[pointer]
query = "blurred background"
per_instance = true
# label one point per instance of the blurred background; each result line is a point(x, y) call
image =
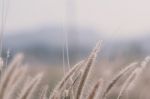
point(46, 29)
point(57, 33)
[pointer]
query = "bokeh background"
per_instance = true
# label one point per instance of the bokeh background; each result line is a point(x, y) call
point(42, 28)
point(57, 33)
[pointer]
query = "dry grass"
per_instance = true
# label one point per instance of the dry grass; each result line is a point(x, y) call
point(15, 83)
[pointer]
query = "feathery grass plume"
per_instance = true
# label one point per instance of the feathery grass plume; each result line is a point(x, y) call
point(17, 85)
point(30, 87)
point(96, 90)
point(35, 87)
point(72, 85)
point(6, 76)
point(76, 79)
point(22, 84)
point(143, 65)
point(18, 72)
point(145, 62)
point(129, 80)
point(99, 90)
point(88, 65)
point(64, 80)
point(117, 77)
point(133, 76)
point(44, 92)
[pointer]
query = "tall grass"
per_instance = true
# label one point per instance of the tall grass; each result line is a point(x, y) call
point(15, 83)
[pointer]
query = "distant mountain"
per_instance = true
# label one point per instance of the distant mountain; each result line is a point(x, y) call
point(46, 44)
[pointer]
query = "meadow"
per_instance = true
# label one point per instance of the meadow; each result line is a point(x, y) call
point(85, 80)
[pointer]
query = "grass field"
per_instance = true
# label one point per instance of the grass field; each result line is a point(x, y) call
point(88, 79)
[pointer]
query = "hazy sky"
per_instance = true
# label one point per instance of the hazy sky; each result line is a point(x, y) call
point(113, 17)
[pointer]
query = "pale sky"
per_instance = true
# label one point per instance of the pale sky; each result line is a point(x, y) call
point(118, 18)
